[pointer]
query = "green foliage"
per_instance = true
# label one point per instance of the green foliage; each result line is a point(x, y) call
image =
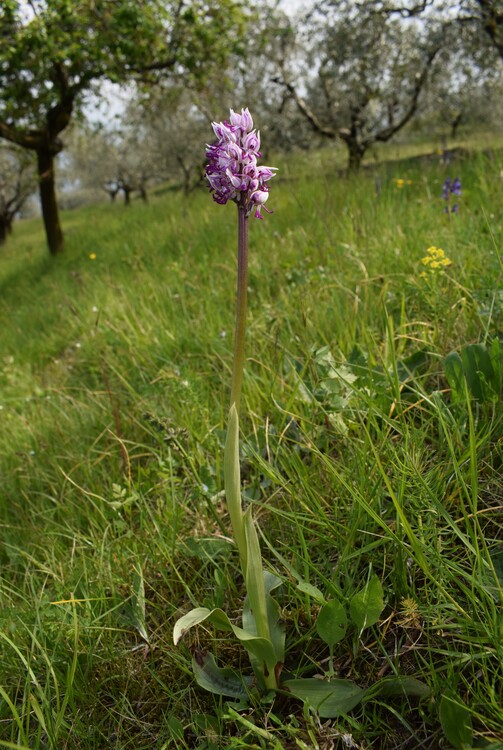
point(332, 623)
point(478, 371)
point(332, 697)
point(220, 681)
point(367, 605)
point(113, 372)
point(262, 635)
point(456, 721)
point(57, 51)
point(328, 699)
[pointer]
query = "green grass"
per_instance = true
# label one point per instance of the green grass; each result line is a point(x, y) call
point(114, 384)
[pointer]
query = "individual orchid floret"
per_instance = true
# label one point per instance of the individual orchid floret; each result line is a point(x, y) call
point(243, 121)
point(232, 170)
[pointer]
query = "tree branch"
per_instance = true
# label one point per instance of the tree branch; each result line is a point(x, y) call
point(387, 133)
point(305, 109)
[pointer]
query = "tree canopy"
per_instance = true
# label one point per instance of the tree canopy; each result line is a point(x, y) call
point(370, 69)
point(53, 54)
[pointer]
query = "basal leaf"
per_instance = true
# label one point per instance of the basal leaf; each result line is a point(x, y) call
point(329, 699)
point(196, 616)
point(453, 367)
point(259, 647)
point(391, 686)
point(220, 681)
point(480, 367)
point(456, 721)
point(254, 575)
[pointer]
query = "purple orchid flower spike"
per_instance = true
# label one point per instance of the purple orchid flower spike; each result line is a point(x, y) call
point(450, 188)
point(232, 170)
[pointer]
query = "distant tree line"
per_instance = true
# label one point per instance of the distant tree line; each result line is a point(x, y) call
point(355, 72)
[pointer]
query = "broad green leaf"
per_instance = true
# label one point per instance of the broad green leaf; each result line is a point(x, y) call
point(453, 367)
point(254, 576)
point(195, 617)
point(390, 686)
point(207, 548)
point(496, 354)
point(271, 582)
point(261, 611)
point(456, 721)
point(312, 591)
point(366, 605)
point(329, 699)
point(477, 365)
point(332, 622)
point(220, 681)
point(407, 366)
point(478, 370)
point(176, 729)
point(259, 647)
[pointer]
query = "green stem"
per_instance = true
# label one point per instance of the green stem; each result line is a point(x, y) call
point(232, 483)
point(243, 528)
point(240, 331)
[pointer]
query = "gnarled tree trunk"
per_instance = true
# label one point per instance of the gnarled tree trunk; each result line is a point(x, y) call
point(48, 201)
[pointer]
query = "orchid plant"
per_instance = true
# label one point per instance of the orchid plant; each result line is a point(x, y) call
point(234, 175)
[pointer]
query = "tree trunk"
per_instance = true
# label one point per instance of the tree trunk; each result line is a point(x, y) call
point(3, 230)
point(455, 124)
point(355, 155)
point(50, 213)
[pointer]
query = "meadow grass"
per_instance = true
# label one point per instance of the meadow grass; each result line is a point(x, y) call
point(114, 386)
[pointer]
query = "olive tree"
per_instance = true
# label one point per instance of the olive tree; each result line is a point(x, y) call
point(53, 54)
point(365, 74)
point(482, 17)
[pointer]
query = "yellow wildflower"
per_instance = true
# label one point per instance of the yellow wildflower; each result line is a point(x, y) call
point(435, 252)
point(399, 183)
point(92, 256)
point(435, 258)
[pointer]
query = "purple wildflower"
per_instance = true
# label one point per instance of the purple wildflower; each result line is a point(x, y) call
point(232, 169)
point(456, 187)
point(448, 189)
